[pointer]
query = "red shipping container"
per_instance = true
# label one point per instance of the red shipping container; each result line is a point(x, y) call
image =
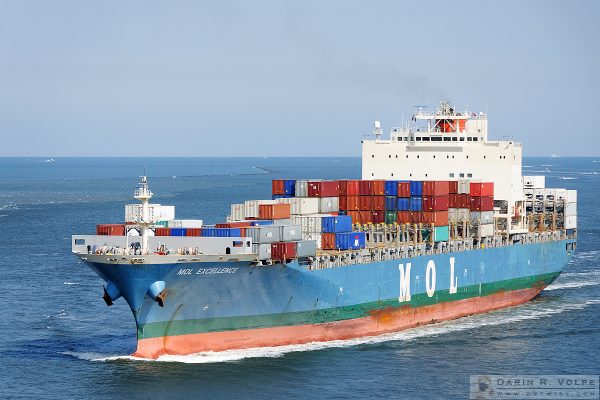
point(366, 217)
point(327, 242)
point(482, 189)
point(436, 203)
point(324, 189)
point(283, 250)
point(355, 216)
point(240, 224)
point(273, 211)
point(404, 217)
point(378, 188)
point(343, 202)
point(438, 218)
point(416, 217)
point(463, 201)
point(162, 232)
point(453, 187)
point(453, 200)
point(353, 202)
point(110, 229)
point(364, 203)
point(378, 217)
point(364, 188)
point(482, 203)
point(349, 187)
point(404, 189)
point(378, 203)
point(278, 186)
point(193, 232)
point(436, 188)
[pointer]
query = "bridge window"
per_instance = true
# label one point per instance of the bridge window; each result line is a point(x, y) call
point(451, 174)
point(454, 138)
point(469, 139)
point(462, 139)
point(461, 175)
point(469, 175)
point(79, 242)
point(446, 138)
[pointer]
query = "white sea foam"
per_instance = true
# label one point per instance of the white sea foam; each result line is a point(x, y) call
point(535, 310)
point(571, 285)
point(70, 283)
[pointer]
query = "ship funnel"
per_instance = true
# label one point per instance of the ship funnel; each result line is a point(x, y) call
point(111, 293)
point(158, 292)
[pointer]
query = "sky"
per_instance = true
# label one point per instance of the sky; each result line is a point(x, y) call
point(289, 78)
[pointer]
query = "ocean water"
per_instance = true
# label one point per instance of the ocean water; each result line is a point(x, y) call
point(59, 340)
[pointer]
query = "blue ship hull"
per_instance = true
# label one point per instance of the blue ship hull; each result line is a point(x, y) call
point(208, 301)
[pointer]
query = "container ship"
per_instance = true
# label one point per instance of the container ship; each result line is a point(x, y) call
point(442, 225)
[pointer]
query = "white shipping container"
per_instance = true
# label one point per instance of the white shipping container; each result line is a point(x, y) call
point(571, 222)
point(185, 223)
point(538, 194)
point(262, 250)
point(290, 233)
point(464, 186)
point(485, 217)
point(301, 205)
point(486, 230)
point(251, 207)
point(329, 204)
point(309, 223)
point(301, 188)
point(534, 182)
point(571, 196)
point(453, 214)
point(529, 192)
point(156, 212)
point(306, 248)
point(560, 194)
point(550, 194)
point(313, 236)
point(464, 214)
point(237, 212)
point(570, 209)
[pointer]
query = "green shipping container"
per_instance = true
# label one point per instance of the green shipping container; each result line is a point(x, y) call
point(390, 217)
point(441, 234)
point(163, 223)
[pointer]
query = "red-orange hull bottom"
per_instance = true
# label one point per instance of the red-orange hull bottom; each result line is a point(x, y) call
point(379, 322)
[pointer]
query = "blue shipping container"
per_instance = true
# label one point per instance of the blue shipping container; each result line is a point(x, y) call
point(403, 204)
point(178, 231)
point(391, 188)
point(416, 204)
point(391, 204)
point(221, 232)
point(416, 188)
point(260, 222)
point(333, 224)
point(289, 187)
point(350, 240)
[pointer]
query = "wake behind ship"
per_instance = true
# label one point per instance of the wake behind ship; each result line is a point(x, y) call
point(441, 225)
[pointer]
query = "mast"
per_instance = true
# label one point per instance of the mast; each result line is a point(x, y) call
point(143, 194)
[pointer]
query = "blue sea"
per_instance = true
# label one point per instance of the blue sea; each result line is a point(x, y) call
point(59, 340)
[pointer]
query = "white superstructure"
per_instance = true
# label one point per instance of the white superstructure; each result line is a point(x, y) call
point(449, 145)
